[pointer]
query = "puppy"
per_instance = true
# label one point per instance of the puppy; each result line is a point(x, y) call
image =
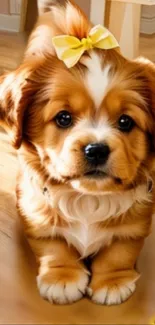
point(85, 140)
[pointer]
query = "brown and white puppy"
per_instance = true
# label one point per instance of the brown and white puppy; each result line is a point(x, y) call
point(86, 148)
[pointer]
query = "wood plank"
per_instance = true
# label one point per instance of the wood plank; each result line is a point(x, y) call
point(97, 12)
point(140, 2)
point(23, 14)
point(124, 22)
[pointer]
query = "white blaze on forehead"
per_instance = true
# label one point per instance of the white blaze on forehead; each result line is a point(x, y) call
point(103, 130)
point(97, 77)
point(98, 130)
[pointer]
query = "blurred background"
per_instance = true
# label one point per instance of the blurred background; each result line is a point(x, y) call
point(132, 23)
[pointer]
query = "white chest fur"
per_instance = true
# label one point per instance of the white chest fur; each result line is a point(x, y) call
point(83, 213)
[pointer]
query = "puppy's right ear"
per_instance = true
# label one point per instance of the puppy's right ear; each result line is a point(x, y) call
point(17, 90)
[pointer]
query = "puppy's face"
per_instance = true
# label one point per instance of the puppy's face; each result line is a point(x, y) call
point(91, 125)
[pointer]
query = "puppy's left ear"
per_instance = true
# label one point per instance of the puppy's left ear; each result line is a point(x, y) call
point(16, 93)
point(148, 70)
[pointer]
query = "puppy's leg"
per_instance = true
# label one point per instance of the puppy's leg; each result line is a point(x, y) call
point(113, 272)
point(62, 277)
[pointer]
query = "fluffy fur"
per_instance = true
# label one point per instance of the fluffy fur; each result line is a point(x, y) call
point(69, 216)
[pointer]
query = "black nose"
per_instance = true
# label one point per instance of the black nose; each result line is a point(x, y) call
point(97, 153)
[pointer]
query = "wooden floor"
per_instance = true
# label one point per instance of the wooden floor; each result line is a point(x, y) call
point(12, 46)
point(147, 47)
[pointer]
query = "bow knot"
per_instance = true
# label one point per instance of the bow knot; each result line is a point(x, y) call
point(69, 49)
point(87, 42)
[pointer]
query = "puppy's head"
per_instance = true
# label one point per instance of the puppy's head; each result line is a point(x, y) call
point(92, 126)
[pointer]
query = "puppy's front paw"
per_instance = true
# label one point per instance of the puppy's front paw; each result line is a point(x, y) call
point(112, 296)
point(63, 285)
point(112, 291)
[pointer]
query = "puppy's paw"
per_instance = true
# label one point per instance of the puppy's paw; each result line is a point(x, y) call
point(112, 291)
point(63, 286)
point(112, 296)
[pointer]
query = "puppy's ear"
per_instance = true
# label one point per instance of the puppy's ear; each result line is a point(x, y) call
point(57, 17)
point(148, 71)
point(16, 93)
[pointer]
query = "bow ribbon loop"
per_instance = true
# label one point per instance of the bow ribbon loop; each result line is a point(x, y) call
point(69, 49)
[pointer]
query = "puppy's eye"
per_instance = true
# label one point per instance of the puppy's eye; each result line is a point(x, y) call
point(64, 119)
point(126, 123)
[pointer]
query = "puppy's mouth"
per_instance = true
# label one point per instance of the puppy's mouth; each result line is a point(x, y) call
point(100, 175)
point(96, 174)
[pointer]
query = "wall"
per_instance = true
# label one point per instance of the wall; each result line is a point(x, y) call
point(12, 7)
point(4, 7)
point(10, 15)
point(85, 5)
point(148, 20)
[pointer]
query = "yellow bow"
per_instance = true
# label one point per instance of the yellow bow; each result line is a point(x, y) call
point(70, 49)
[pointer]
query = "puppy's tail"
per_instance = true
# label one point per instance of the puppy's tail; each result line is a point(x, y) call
point(66, 15)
